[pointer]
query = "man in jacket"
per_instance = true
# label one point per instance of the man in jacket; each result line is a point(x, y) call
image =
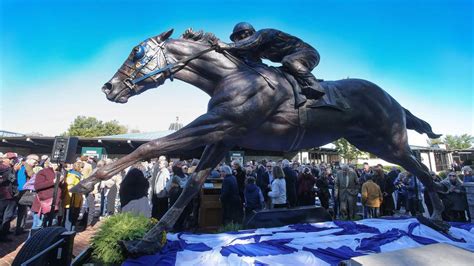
point(291, 177)
point(230, 199)
point(372, 197)
point(455, 200)
point(347, 188)
point(159, 195)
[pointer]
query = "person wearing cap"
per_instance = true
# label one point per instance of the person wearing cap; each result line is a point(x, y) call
point(468, 177)
point(296, 56)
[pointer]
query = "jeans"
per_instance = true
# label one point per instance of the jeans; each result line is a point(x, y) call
point(37, 221)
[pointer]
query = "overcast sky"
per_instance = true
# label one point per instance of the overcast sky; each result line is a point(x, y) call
point(56, 55)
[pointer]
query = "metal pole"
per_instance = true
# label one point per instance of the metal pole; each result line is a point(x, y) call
point(55, 193)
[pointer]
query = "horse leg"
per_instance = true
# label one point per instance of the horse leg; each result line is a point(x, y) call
point(206, 129)
point(395, 149)
point(150, 243)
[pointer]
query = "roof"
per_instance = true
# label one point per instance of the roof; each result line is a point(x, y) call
point(139, 136)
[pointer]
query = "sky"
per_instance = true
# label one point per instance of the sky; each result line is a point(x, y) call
point(56, 55)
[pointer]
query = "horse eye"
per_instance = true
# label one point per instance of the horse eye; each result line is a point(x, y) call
point(139, 53)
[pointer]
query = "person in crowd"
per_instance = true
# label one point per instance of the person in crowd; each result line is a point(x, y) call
point(134, 193)
point(278, 188)
point(44, 187)
point(86, 167)
point(8, 191)
point(467, 172)
point(388, 202)
point(426, 193)
point(24, 173)
point(262, 181)
point(455, 199)
point(239, 174)
point(322, 183)
point(254, 200)
point(372, 197)
point(366, 171)
point(89, 212)
point(159, 195)
point(346, 190)
point(291, 178)
point(109, 189)
point(230, 197)
point(72, 202)
point(175, 188)
point(414, 194)
point(306, 182)
point(401, 191)
point(193, 166)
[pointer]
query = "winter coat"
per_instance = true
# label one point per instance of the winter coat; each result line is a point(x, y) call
point(72, 179)
point(291, 178)
point(44, 187)
point(278, 192)
point(253, 197)
point(455, 199)
point(7, 182)
point(230, 190)
point(306, 185)
point(351, 190)
point(371, 194)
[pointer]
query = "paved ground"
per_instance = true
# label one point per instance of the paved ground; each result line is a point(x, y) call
point(9, 250)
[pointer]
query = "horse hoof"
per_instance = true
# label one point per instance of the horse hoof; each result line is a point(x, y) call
point(438, 225)
point(137, 248)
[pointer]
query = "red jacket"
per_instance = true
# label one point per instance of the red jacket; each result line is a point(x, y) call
point(44, 186)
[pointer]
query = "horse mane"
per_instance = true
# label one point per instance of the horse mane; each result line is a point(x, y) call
point(199, 36)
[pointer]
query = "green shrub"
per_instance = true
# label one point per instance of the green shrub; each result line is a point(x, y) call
point(230, 227)
point(122, 226)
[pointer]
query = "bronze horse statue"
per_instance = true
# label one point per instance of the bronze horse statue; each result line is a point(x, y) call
point(251, 110)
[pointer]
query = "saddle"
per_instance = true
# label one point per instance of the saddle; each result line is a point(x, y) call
point(333, 98)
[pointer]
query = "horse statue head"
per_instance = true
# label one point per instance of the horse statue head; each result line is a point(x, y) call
point(139, 71)
point(190, 58)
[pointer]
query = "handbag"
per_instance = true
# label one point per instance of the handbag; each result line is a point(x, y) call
point(27, 198)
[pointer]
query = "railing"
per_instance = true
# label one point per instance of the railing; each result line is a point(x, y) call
point(62, 247)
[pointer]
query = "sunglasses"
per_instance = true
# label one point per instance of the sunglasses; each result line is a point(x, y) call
point(451, 175)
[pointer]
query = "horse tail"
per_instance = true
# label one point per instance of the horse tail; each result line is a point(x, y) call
point(419, 125)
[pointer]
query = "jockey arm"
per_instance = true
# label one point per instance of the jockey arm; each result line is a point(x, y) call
point(253, 42)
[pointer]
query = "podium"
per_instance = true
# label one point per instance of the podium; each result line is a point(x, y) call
point(210, 211)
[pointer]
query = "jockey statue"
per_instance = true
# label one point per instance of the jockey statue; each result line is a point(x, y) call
point(296, 56)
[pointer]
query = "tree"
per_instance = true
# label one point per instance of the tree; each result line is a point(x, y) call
point(92, 127)
point(347, 150)
point(459, 142)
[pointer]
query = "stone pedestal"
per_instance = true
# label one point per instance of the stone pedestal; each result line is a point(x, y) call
point(470, 197)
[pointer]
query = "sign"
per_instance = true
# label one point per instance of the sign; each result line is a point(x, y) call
point(97, 152)
point(237, 156)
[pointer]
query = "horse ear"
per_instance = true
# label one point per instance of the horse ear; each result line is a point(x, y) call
point(164, 36)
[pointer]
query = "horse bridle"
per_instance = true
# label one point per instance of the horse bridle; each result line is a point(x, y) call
point(169, 69)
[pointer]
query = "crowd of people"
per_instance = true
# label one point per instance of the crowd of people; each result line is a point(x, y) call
point(27, 189)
